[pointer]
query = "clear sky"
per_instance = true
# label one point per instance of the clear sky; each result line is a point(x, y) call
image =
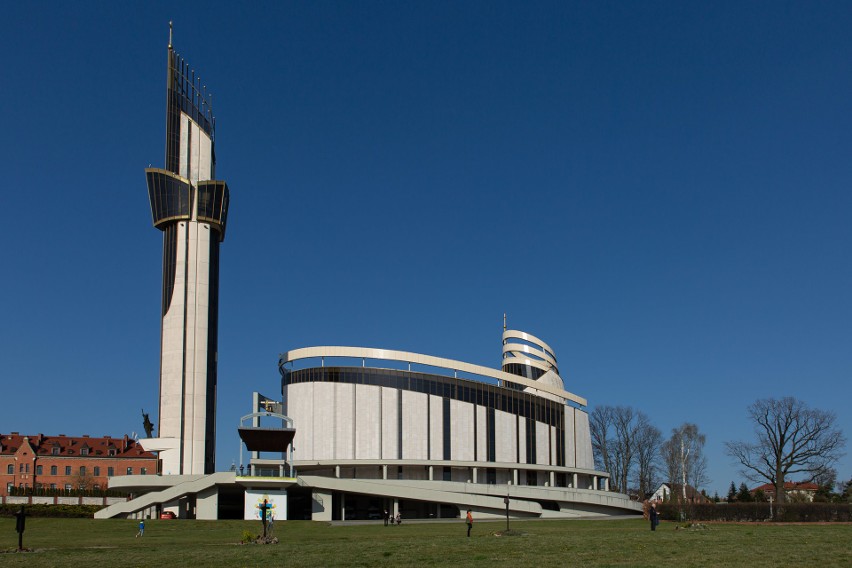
point(660, 191)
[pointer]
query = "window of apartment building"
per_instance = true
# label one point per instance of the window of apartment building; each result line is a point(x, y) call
point(129, 471)
point(9, 487)
point(10, 469)
point(53, 486)
point(110, 472)
point(53, 470)
point(143, 471)
point(55, 450)
point(67, 470)
point(97, 471)
point(38, 470)
point(97, 487)
point(84, 451)
point(82, 470)
point(67, 487)
point(111, 452)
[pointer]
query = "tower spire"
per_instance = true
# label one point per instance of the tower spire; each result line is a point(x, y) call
point(170, 34)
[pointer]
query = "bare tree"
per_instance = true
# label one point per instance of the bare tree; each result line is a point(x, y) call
point(684, 457)
point(620, 435)
point(600, 422)
point(791, 439)
point(83, 480)
point(648, 441)
point(623, 445)
point(698, 471)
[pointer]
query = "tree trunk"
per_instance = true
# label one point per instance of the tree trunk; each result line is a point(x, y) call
point(780, 494)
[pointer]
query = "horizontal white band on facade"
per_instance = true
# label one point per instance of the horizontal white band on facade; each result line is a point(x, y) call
point(515, 357)
point(417, 358)
point(523, 348)
point(514, 334)
point(481, 465)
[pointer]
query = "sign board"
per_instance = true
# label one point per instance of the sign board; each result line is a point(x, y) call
point(275, 499)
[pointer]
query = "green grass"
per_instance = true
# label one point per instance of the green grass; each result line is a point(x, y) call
point(90, 543)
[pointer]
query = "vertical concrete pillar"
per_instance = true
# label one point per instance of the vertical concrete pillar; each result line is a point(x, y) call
point(595, 485)
point(474, 474)
point(207, 504)
point(606, 484)
point(337, 471)
point(384, 471)
point(431, 473)
point(321, 505)
point(574, 485)
point(553, 479)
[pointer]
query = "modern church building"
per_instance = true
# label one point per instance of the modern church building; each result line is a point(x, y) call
point(429, 437)
point(356, 430)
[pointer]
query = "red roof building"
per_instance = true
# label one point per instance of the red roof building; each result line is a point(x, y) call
point(68, 463)
point(801, 489)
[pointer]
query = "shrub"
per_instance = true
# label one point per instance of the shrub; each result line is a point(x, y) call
point(757, 512)
point(53, 511)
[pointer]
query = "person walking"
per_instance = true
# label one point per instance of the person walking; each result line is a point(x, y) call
point(141, 529)
point(387, 516)
point(654, 516)
point(469, 521)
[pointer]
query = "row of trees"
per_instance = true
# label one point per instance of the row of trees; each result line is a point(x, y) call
point(790, 439)
point(631, 449)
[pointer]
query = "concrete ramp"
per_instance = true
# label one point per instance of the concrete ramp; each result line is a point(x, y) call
point(193, 486)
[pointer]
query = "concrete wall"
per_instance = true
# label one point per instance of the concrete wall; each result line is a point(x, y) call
point(340, 421)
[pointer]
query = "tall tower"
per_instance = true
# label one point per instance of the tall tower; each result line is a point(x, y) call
point(190, 207)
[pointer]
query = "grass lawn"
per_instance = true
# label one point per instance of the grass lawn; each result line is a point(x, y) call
point(91, 543)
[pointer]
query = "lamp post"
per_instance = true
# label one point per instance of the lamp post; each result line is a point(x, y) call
point(20, 524)
point(506, 500)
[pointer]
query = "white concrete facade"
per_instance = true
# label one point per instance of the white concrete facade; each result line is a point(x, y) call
point(184, 341)
point(360, 422)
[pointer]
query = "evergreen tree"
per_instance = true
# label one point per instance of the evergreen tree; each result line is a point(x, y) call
point(847, 492)
point(743, 494)
point(732, 493)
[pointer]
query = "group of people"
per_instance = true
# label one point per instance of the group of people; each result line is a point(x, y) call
point(390, 519)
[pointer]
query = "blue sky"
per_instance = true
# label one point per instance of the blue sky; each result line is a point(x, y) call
point(661, 191)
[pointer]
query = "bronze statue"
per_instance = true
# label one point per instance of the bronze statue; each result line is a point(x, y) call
point(146, 423)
